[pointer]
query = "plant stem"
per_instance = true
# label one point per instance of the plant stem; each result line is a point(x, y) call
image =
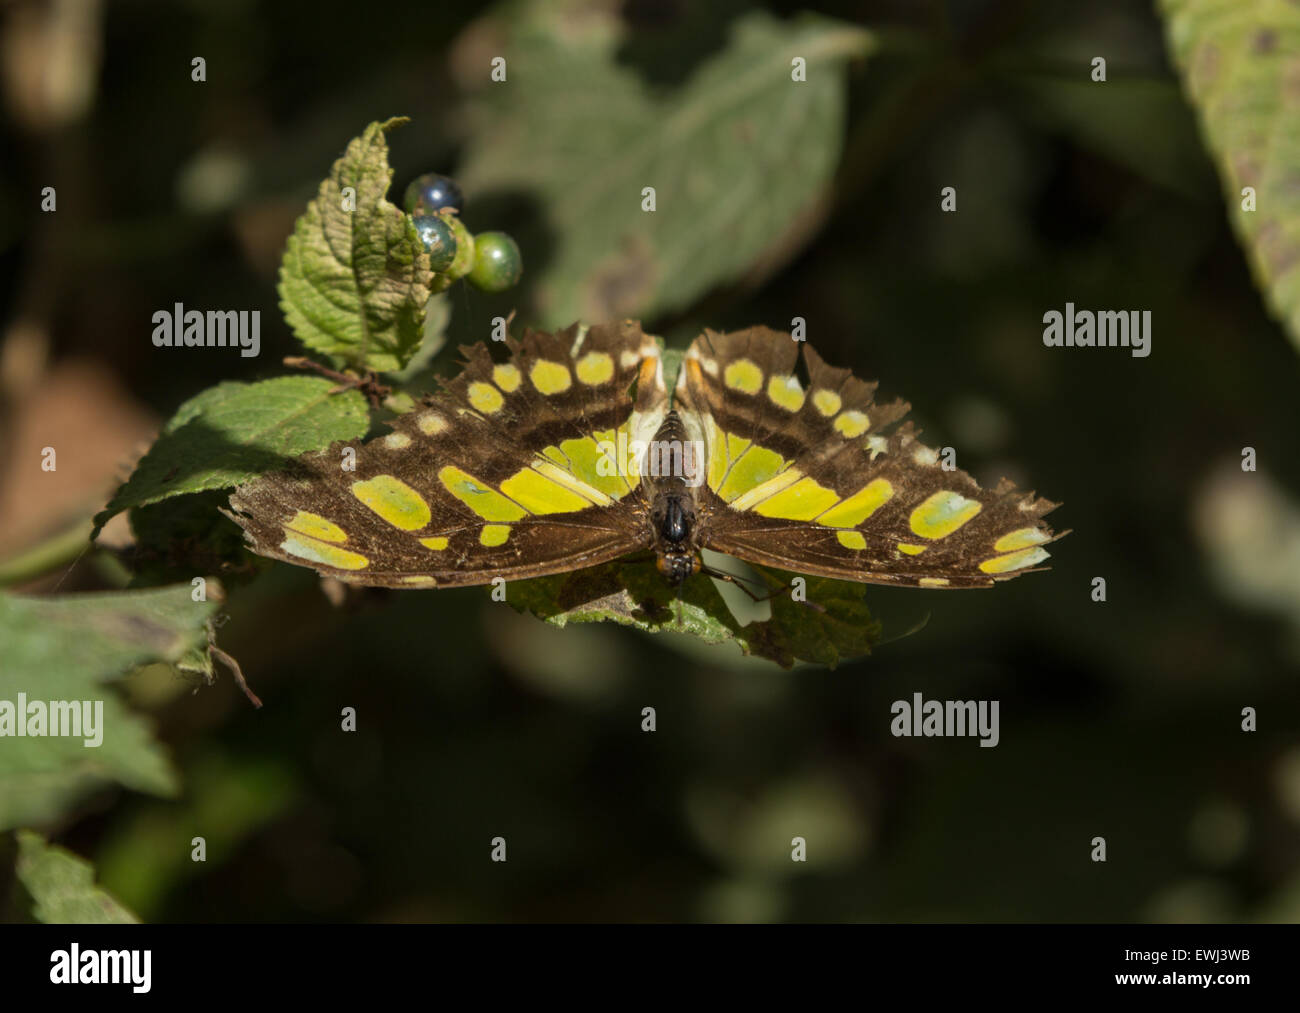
point(58, 550)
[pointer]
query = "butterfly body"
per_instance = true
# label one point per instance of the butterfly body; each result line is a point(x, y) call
point(574, 451)
point(673, 513)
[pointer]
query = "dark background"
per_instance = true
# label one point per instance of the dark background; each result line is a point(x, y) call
point(1118, 719)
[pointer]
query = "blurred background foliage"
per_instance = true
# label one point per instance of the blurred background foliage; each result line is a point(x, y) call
point(1119, 719)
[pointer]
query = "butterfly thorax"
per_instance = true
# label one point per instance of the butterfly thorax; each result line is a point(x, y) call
point(672, 468)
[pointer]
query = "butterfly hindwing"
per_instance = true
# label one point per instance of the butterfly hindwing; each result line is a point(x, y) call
point(817, 477)
point(500, 474)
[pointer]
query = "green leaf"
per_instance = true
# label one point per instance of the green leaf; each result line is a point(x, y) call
point(437, 317)
point(831, 625)
point(354, 283)
point(1237, 62)
point(740, 156)
point(235, 431)
point(63, 886)
point(64, 649)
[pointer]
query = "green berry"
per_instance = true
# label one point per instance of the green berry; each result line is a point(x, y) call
point(438, 238)
point(497, 263)
point(430, 193)
point(464, 259)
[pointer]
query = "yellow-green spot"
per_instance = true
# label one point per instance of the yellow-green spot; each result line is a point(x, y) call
point(507, 377)
point(801, 502)
point(582, 458)
point(750, 470)
point(484, 501)
point(719, 459)
point(942, 514)
point(851, 423)
point(857, 508)
point(484, 397)
point(541, 495)
point(594, 368)
point(316, 526)
point(315, 551)
point(420, 580)
point(589, 493)
point(771, 487)
point(550, 377)
point(910, 550)
point(785, 392)
point(852, 539)
point(1020, 539)
point(397, 441)
point(1015, 560)
point(736, 445)
point(431, 423)
point(744, 376)
point(827, 402)
point(494, 534)
point(436, 544)
point(934, 581)
point(394, 501)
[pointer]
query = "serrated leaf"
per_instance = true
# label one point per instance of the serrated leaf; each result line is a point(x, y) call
point(233, 432)
point(62, 886)
point(831, 625)
point(740, 155)
point(1237, 62)
point(64, 649)
point(354, 283)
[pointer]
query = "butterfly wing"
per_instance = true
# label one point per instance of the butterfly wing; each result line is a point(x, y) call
point(504, 473)
point(822, 479)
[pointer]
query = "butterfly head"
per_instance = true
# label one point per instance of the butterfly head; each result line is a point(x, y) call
point(677, 566)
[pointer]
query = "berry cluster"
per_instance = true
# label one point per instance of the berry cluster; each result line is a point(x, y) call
point(490, 260)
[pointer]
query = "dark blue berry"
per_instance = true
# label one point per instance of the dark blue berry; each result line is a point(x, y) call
point(432, 192)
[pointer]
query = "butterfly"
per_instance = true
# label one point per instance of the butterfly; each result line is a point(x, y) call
point(593, 443)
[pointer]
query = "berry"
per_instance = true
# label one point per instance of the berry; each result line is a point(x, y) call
point(439, 239)
point(464, 259)
point(432, 192)
point(497, 263)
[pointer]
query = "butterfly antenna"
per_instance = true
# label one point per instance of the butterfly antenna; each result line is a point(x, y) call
point(740, 582)
point(913, 629)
